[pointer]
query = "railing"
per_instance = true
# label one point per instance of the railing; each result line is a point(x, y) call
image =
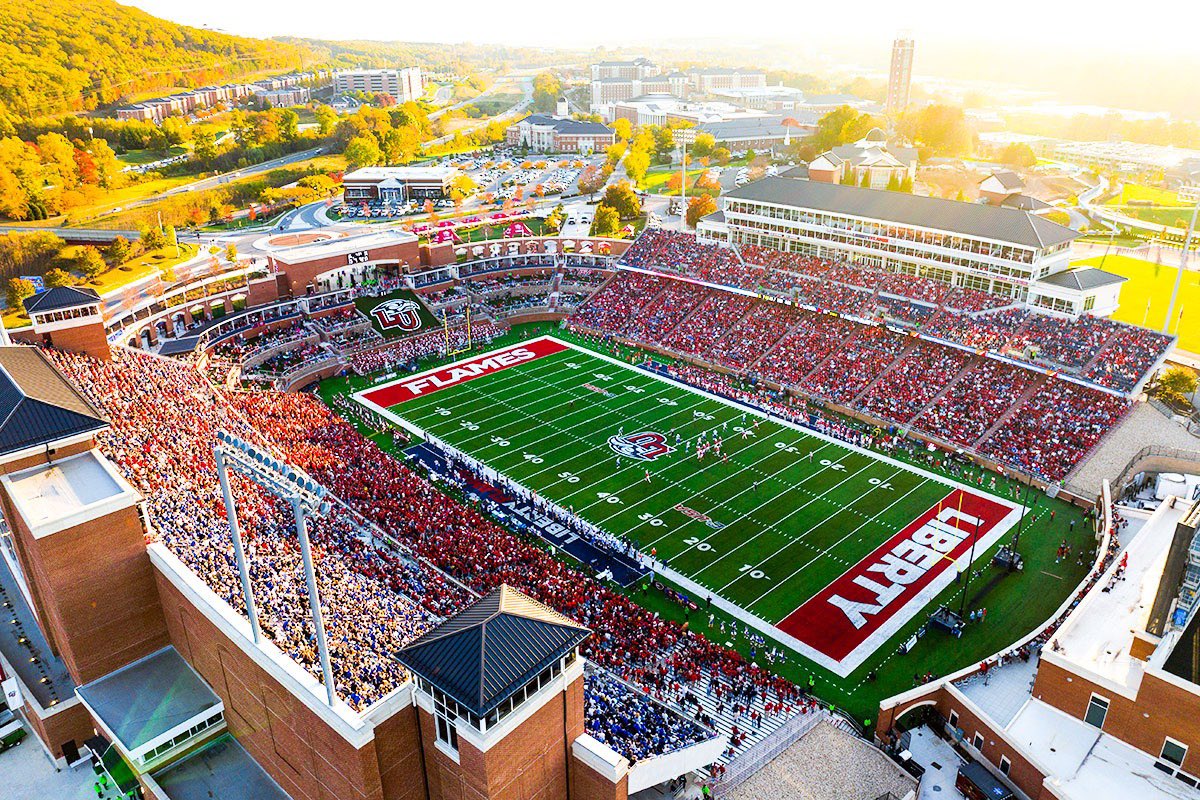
point(1131, 468)
point(766, 749)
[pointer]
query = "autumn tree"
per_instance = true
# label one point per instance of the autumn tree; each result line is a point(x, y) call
point(699, 207)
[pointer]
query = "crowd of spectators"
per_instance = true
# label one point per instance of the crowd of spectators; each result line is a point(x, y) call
point(633, 726)
point(1058, 424)
point(967, 316)
point(164, 419)
point(913, 382)
point(897, 378)
point(401, 353)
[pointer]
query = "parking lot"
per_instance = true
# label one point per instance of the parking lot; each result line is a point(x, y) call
point(499, 175)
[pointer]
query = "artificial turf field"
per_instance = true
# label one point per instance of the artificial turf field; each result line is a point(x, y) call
point(782, 529)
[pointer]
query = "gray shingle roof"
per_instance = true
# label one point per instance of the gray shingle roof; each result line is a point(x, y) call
point(571, 127)
point(995, 223)
point(484, 654)
point(1083, 278)
point(37, 404)
point(61, 297)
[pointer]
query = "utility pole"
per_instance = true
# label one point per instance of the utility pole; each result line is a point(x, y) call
point(962, 607)
point(1183, 261)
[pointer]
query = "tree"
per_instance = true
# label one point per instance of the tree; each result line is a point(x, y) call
point(119, 251)
point(940, 128)
point(865, 182)
point(58, 160)
point(326, 119)
point(893, 184)
point(636, 164)
point(90, 263)
point(698, 207)
point(16, 290)
point(231, 253)
point(1174, 386)
point(590, 181)
point(152, 238)
point(461, 187)
point(704, 145)
point(906, 184)
point(1018, 154)
point(664, 140)
point(57, 277)
point(362, 151)
point(843, 124)
point(607, 221)
point(621, 197)
point(722, 155)
point(622, 129)
point(204, 145)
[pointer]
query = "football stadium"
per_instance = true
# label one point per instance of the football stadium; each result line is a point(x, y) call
point(597, 516)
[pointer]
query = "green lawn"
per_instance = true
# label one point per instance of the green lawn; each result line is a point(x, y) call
point(1152, 283)
point(789, 526)
point(137, 157)
point(1140, 192)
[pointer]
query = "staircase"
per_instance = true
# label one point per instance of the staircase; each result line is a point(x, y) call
point(1029, 392)
point(858, 398)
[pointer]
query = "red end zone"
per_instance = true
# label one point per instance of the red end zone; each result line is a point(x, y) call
point(846, 612)
point(454, 374)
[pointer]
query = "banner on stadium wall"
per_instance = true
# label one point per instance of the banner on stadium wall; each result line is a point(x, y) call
point(847, 612)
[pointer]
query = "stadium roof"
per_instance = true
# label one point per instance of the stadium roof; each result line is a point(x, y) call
point(61, 297)
point(1083, 278)
point(487, 652)
point(222, 770)
point(143, 700)
point(38, 406)
point(994, 223)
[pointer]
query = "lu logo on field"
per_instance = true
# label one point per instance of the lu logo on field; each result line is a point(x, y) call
point(398, 313)
point(644, 446)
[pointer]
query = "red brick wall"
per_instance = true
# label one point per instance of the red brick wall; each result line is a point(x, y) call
point(93, 592)
point(88, 339)
point(298, 276)
point(530, 763)
point(70, 724)
point(1161, 709)
point(293, 744)
point(587, 784)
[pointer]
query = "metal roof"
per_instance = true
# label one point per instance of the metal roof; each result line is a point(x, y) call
point(143, 700)
point(222, 770)
point(994, 223)
point(1083, 278)
point(61, 297)
point(491, 649)
point(38, 406)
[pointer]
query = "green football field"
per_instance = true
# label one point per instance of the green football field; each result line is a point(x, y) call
point(777, 518)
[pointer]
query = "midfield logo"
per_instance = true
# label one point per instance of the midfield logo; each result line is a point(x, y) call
point(644, 446)
point(399, 313)
point(705, 518)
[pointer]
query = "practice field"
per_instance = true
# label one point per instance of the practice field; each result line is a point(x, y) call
point(825, 547)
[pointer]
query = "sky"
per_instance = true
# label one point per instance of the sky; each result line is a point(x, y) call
point(620, 23)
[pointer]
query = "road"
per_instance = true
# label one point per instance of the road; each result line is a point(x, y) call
point(524, 103)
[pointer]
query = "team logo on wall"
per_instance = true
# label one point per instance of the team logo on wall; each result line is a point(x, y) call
point(644, 446)
point(398, 314)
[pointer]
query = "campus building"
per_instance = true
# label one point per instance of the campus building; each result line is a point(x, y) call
point(403, 84)
point(870, 162)
point(613, 82)
point(998, 249)
point(398, 184)
point(1108, 704)
point(551, 133)
point(900, 74)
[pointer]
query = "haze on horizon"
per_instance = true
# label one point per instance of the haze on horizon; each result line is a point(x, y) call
point(1122, 59)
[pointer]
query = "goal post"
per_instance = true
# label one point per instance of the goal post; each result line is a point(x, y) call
point(450, 351)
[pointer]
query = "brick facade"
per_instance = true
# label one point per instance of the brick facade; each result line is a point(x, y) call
point(1161, 709)
point(93, 591)
point(293, 744)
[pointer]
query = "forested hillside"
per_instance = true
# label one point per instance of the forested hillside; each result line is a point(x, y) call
point(75, 55)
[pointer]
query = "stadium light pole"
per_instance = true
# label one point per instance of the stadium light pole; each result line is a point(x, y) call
point(314, 598)
point(239, 551)
point(305, 496)
point(1183, 261)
